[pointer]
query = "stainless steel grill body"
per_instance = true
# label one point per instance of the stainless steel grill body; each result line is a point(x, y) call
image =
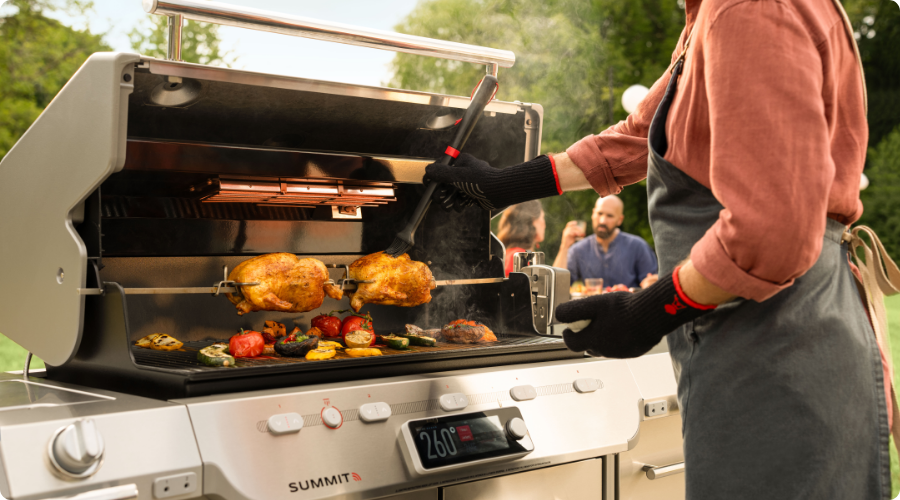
point(242, 458)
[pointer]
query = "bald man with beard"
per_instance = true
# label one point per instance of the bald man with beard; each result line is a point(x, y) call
point(612, 254)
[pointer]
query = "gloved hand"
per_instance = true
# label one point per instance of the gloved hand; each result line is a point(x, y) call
point(475, 181)
point(627, 325)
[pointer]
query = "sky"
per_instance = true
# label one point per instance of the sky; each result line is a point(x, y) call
point(274, 53)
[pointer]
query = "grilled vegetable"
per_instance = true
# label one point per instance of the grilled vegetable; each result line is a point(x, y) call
point(363, 353)
point(329, 323)
point(357, 322)
point(146, 341)
point(275, 328)
point(318, 354)
point(296, 348)
point(395, 342)
point(165, 342)
point(420, 340)
point(215, 355)
point(415, 331)
point(246, 344)
point(359, 338)
point(329, 344)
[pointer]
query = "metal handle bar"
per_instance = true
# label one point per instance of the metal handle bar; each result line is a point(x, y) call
point(274, 22)
point(126, 492)
point(654, 472)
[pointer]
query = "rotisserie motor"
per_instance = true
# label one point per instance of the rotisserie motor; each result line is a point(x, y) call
point(286, 283)
point(398, 281)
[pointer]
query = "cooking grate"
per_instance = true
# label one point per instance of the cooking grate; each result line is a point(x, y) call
point(185, 359)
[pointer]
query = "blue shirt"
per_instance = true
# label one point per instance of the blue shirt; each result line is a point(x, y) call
point(628, 260)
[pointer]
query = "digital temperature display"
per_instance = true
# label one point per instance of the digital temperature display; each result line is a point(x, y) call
point(461, 438)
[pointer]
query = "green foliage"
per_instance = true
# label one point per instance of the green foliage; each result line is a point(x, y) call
point(573, 57)
point(38, 55)
point(881, 199)
point(199, 41)
point(877, 26)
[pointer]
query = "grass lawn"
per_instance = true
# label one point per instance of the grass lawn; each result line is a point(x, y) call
point(12, 357)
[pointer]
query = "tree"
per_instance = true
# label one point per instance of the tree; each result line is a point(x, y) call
point(573, 57)
point(199, 41)
point(881, 199)
point(38, 55)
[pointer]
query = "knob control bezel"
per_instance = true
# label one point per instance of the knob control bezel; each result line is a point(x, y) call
point(62, 472)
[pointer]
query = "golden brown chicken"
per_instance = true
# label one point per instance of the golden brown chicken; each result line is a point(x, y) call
point(398, 281)
point(286, 283)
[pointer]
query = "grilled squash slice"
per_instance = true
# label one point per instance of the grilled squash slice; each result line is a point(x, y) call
point(146, 341)
point(330, 344)
point(165, 343)
point(363, 352)
point(317, 354)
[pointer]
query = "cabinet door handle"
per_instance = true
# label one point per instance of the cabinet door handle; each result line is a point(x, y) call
point(654, 472)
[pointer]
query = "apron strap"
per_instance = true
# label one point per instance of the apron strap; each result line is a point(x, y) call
point(880, 277)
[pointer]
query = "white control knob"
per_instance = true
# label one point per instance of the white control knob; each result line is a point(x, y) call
point(516, 428)
point(77, 449)
point(332, 417)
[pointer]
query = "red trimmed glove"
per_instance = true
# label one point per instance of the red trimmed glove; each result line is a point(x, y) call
point(627, 325)
point(470, 180)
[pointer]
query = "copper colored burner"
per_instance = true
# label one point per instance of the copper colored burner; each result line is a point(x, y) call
point(346, 195)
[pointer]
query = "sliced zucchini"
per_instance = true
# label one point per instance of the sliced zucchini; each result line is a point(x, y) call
point(363, 352)
point(215, 355)
point(165, 343)
point(420, 340)
point(317, 354)
point(146, 341)
point(395, 342)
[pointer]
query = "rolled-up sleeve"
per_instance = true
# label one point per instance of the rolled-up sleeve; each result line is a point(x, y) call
point(617, 156)
point(763, 72)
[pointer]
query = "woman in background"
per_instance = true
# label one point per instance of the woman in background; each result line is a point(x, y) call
point(521, 229)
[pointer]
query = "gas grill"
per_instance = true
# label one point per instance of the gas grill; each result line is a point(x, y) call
point(146, 180)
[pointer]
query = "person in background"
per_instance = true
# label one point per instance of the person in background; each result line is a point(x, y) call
point(521, 229)
point(612, 254)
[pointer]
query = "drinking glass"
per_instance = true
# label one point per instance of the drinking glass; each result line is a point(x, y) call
point(593, 286)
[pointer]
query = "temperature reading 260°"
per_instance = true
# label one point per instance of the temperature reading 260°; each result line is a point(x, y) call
point(443, 444)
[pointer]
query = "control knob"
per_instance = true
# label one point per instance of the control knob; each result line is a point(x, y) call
point(77, 449)
point(516, 428)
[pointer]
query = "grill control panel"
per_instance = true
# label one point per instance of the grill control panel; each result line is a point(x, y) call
point(450, 442)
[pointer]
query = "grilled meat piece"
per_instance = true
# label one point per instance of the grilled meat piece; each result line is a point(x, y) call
point(286, 283)
point(397, 281)
point(462, 333)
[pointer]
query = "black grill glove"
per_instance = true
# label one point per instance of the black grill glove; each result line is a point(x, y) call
point(475, 181)
point(627, 325)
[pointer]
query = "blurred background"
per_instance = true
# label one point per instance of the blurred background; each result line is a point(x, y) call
point(575, 57)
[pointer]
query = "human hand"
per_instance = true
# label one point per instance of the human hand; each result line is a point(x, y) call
point(627, 325)
point(649, 280)
point(571, 233)
point(476, 181)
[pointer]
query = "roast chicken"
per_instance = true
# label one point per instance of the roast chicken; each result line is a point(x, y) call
point(396, 281)
point(286, 283)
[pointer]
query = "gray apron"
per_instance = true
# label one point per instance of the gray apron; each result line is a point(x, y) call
point(781, 399)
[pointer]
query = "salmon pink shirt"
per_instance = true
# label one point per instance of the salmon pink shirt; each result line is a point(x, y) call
point(770, 116)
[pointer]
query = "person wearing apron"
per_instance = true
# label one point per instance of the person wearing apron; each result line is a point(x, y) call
point(780, 382)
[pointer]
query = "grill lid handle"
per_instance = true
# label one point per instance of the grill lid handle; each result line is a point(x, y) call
point(286, 24)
